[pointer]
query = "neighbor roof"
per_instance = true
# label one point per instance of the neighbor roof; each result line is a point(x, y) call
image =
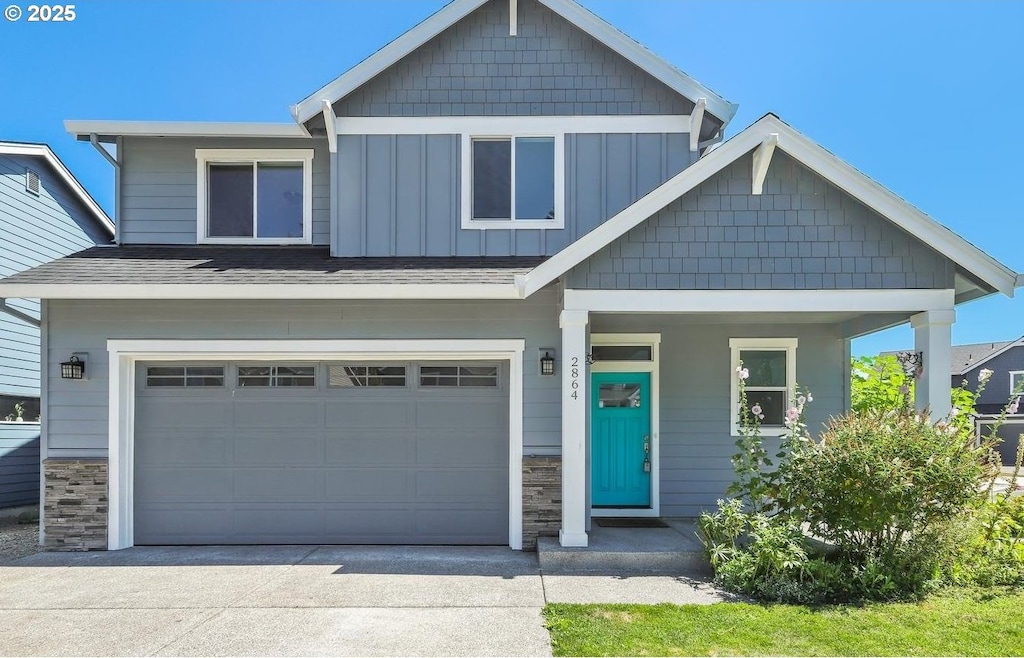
point(772, 129)
point(46, 153)
point(455, 11)
point(262, 272)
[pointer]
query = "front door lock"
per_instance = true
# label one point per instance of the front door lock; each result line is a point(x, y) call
point(647, 454)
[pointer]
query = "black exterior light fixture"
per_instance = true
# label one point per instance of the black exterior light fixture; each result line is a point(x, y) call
point(72, 369)
point(547, 364)
point(911, 362)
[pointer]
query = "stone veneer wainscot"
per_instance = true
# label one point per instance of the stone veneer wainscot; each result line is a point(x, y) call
point(75, 504)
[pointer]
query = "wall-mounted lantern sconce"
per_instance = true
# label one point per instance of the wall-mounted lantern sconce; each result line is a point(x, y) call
point(72, 369)
point(547, 363)
point(911, 362)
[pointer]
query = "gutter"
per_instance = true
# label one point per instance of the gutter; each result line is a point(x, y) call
point(16, 314)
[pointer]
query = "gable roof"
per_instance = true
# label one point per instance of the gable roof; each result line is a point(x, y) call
point(43, 151)
point(456, 10)
point(968, 357)
point(772, 129)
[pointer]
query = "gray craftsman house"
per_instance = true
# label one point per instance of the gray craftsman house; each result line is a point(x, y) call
point(45, 213)
point(1005, 362)
point(493, 281)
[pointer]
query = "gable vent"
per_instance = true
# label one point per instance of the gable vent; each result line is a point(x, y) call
point(32, 181)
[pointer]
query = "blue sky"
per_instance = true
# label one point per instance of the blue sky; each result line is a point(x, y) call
point(926, 98)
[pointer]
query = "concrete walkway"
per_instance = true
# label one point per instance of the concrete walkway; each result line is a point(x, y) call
point(300, 600)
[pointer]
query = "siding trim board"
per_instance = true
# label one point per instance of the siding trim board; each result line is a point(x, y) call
point(503, 125)
point(124, 354)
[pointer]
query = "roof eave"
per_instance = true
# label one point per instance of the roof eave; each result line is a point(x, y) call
point(83, 129)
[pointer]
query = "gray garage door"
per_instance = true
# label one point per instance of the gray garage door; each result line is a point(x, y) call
point(310, 453)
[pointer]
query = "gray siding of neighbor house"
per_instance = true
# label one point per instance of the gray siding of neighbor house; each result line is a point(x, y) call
point(475, 68)
point(34, 230)
point(695, 375)
point(802, 233)
point(77, 410)
point(400, 195)
point(19, 464)
point(997, 392)
point(158, 186)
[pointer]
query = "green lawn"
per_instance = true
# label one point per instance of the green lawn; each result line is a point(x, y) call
point(941, 626)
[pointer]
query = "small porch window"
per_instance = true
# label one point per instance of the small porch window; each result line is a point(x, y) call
point(771, 364)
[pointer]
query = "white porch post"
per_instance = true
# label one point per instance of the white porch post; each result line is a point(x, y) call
point(934, 339)
point(574, 428)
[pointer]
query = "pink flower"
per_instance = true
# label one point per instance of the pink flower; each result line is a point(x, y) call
point(757, 411)
point(1012, 409)
point(742, 372)
point(792, 414)
point(984, 375)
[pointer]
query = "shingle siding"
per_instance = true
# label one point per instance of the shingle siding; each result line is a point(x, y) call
point(475, 68)
point(802, 233)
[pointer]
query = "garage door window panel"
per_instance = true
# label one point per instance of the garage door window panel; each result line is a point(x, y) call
point(445, 376)
point(366, 376)
point(184, 376)
point(277, 376)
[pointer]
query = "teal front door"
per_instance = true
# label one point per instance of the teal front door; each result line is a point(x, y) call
point(620, 439)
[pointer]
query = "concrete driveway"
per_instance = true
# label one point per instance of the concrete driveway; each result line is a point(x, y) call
point(301, 600)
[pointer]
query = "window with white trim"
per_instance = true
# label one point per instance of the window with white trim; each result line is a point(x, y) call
point(513, 181)
point(770, 365)
point(1016, 380)
point(248, 196)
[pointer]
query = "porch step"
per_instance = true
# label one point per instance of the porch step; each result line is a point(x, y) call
point(674, 550)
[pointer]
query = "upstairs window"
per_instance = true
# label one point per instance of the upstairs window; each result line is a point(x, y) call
point(512, 182)
point(253, 197)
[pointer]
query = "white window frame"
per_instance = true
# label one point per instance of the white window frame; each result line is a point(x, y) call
point(737, 345)
point(1015, 373)
point(206, 157)
point(468, 222)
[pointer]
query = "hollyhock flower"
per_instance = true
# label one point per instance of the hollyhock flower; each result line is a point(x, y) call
point(984, 375)
point(801, 400)
point(757, 411)
point(742, 372)
point(1012, 409)
point(792, 414)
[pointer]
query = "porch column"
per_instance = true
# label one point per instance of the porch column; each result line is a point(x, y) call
point(934, 339)
point(574, 428)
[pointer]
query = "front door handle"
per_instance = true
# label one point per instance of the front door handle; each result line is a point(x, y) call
point(647, 454)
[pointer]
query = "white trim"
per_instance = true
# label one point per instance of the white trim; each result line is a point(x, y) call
point(575, 403)
point(513, 18)
point(453, 12)
point(736, 345)
point(654, 368)
point(813, 156)
point(44, 151)
point(206, 157)
point(124, 354)
point(697, 119)
point(507, 125)
point(466, 184)
point(762, 160)
point(1004, 348)
point(747, 301)
point(83, 129)
point(259, 291)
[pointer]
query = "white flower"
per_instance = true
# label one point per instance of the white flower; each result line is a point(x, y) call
point(801, 400)
point(984, 375)
point(742, 372)
point(757, 411)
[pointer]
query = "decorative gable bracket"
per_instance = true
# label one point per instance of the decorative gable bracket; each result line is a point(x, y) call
point(762, 159)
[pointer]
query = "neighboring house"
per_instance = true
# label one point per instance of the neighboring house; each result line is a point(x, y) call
point(44, 214)
point(1006, 361)
point(494, 281)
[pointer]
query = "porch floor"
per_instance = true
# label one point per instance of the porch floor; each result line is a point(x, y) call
point(674, 550)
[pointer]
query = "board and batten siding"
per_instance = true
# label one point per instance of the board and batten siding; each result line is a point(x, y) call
point(77, 410)
point(802, 233)
point(158, 185)
point(19, 464)
point(34, 230)
point(695, 377)
point(400, 195)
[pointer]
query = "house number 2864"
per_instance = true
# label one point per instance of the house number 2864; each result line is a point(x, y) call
point(574, 375)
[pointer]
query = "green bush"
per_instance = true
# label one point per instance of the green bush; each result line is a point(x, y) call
point(990, 546)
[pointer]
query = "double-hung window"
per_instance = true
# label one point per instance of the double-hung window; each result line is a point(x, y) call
point(513, 181)
point(770, 365)
point(250, 196)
